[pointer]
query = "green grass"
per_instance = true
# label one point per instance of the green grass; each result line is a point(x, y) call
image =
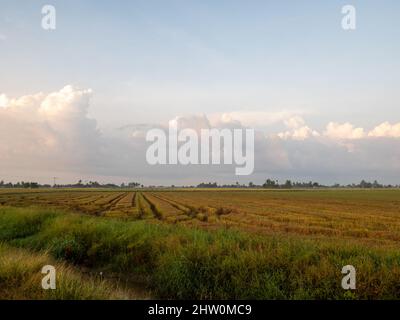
point(21, 278)
point(189, 263)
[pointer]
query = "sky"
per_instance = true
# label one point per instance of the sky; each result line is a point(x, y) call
point(75, 102)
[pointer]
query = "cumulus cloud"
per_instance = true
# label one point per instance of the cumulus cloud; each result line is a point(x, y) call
point(300, 133)
point(338, 132)
point(294, 122)
point(47, 131)
point(297, 129)
point(343, 131)
point(386, 130)
point(66, 103)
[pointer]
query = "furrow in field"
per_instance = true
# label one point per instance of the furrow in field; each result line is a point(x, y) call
point(133, 203)
point(201, 213)
point(144, 210)
point(111, 204)
point(171, 212)
point(96, 204)
point(123, 208)
point(155, 210)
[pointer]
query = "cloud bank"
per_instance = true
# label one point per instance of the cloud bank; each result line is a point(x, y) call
point(50, 134)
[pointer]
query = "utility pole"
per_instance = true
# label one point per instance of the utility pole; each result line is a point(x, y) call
point(54, 181)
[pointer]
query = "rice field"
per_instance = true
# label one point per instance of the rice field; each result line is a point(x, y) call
point(368, 215)
point(210, 244)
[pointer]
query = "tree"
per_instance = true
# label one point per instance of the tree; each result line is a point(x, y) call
point(376, 184)
point(365, 184)
point(270, 184)
point(133, 184)
point(288, 184)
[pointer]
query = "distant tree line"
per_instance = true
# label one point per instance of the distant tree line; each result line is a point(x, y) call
point(289, 184)
point(79, 184)
point(22, 184)
point(268, 184)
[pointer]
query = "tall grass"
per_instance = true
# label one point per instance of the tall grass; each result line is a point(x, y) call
point(187, 263)
point(21, 278)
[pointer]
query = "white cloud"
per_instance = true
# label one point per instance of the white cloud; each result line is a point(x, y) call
point(338, 132)
point(343, 131)
point(297, 129)
point(3, 101)
point(386, 130)
point(299, 133)
point(45, 132)
point(294, 122)
point(68, 102)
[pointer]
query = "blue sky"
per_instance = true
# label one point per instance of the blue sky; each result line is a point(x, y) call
point(258, 55)
point(150, 61)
